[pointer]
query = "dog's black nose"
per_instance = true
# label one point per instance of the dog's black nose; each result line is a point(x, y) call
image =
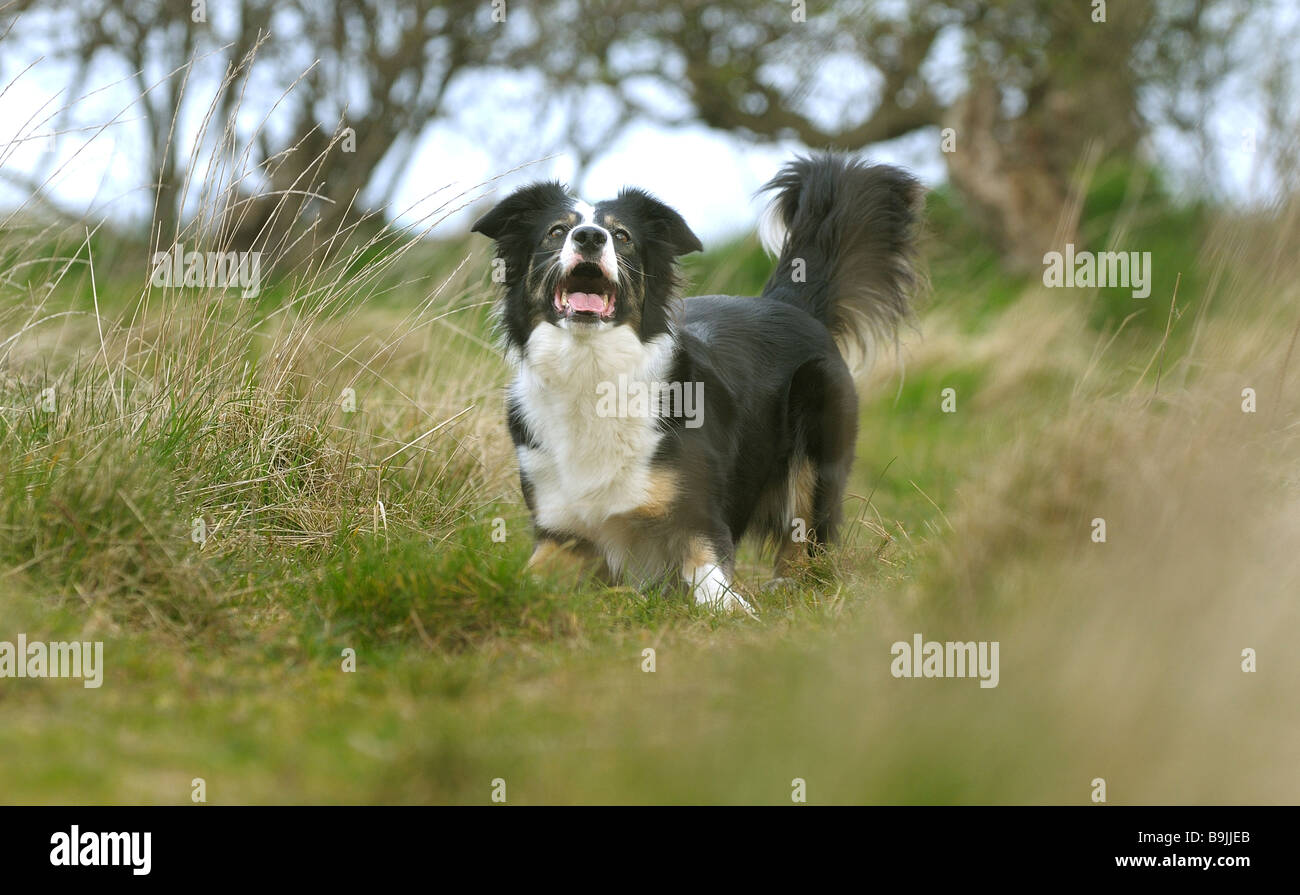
point(589, 239)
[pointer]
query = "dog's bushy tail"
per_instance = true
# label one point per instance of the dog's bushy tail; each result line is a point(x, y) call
point(844, 233)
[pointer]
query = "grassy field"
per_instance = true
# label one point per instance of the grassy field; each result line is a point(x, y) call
point(325, 529)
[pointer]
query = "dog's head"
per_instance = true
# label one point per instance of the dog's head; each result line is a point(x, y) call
point(586, 267)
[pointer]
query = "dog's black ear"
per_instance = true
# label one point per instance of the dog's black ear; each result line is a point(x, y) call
point(665, 223)
point(520, 208)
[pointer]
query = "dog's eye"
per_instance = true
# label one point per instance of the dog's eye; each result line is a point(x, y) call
point(556, 232)
point(622, 236)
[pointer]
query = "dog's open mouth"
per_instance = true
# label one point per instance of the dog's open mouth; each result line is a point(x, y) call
point(585, 293)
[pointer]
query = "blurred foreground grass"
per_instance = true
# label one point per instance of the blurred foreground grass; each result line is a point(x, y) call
point(373, 530)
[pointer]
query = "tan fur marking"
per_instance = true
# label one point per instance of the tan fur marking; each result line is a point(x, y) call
point(660, 494)
point(700, 553)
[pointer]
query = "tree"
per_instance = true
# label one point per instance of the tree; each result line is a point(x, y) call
point(1022, 91)
point(308, 95)
point(1026, 86)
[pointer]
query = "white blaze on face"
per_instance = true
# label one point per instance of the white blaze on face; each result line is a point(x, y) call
point(569, 255)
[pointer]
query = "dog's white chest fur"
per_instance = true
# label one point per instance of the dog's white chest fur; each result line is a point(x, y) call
point(588, 466)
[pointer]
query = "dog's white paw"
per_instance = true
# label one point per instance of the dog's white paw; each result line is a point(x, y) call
point(711, 588)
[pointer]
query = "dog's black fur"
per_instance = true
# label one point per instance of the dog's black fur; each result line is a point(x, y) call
point(780, 408)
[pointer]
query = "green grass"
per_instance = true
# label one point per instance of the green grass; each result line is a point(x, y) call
point(329, 531)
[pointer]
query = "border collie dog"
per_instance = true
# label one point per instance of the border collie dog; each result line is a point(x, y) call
point(639, 488)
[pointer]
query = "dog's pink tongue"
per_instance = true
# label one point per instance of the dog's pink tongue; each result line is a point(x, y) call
point(586, 301)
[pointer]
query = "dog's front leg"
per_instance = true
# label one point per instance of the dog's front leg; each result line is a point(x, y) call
point(707, 571)
point(568, 558)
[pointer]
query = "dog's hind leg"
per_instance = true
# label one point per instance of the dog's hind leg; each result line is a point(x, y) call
point(796, 517)
point(823, 397)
